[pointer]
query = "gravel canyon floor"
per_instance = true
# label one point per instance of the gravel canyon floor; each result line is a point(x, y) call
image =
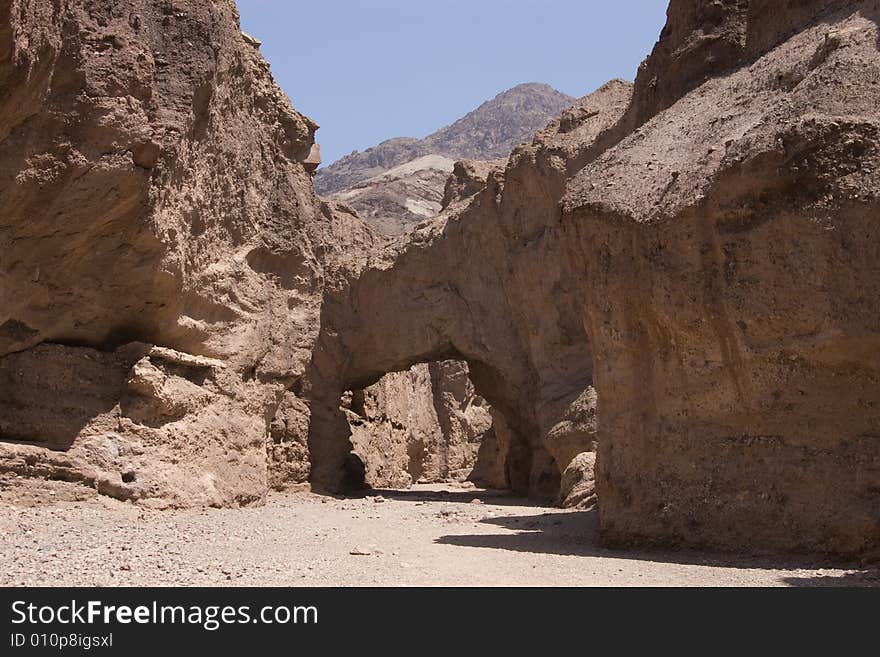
point(426, 536)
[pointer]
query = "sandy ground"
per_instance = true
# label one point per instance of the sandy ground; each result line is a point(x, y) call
point(431, 535)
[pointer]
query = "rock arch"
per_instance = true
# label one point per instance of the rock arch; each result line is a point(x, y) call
point(481, 284)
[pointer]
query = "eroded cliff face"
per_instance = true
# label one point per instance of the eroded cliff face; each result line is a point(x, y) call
point(164, 255)
point(733, 294)
point(166, 261)
point(681, 275)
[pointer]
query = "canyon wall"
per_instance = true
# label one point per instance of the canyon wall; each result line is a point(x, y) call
point(165, 260)
point(731, 254)
point(481, 284)
point(669, 298)
point(164, 256)
point(425, 425)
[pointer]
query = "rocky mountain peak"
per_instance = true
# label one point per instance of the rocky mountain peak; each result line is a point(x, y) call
point(488, 132)
point(495, 127)
point(391, 199)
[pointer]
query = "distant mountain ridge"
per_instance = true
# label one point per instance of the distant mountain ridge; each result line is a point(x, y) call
point(488, 132)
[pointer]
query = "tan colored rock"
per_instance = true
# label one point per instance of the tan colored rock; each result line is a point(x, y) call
point(288, 444)
point(313, 160)
point(250, 40)
point(465, 423)
point(687, 281)
point(682, 275)
point(210, 248)
point(468, 177)
point(578, 485)
point(392, 423)
point(133, 426)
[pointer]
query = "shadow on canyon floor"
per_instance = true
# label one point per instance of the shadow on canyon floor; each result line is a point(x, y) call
point(465, 496)
point(575, 533)
point(860, 578)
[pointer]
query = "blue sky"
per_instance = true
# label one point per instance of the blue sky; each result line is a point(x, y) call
point(369, 70)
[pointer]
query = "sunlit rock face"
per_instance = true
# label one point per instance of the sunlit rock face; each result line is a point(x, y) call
point(425, 425)
point(164, 254)
point(729, 251)
point(668, 298)
point(482, 284)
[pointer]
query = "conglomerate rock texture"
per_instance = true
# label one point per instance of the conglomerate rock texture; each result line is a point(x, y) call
point(424, 425)
point(729, 248)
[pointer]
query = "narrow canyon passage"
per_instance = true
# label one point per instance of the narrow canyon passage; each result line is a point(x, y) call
point(666, 300)
point(428, 535)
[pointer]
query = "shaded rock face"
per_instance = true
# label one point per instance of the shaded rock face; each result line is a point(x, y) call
point(140, 423)
point(687, 278)
point(424, 425)
point(401, 182)
point(154, 191)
